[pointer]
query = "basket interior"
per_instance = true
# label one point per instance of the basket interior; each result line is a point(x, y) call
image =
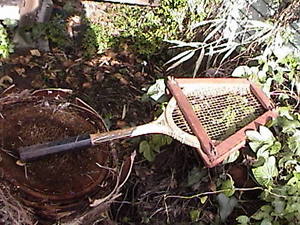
point(60, 176)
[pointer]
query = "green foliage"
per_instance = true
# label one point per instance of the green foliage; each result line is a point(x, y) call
point(264, 174)
point(226, 205)
point(6, 46)
point(195, 214)
point(243, 220)
point(144, 29)
point(277, 73)
point(280, 169)
point(277, 146)
point(140, 29)
point(148, 28)
point(97, 39)
point(228, 187)
point(55, 31)
point(152, 145)
point(157, 90)
point(195, 176)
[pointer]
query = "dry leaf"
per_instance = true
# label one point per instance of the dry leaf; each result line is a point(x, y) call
point(87, 85)
point(35, 52)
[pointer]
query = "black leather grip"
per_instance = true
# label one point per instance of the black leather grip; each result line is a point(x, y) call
point(33, 152)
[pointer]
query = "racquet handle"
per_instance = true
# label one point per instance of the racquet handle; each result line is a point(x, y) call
point(33, 152)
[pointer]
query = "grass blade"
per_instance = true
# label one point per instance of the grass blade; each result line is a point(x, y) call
point(198, 63)
point(211, 34)
point(180, 55)
point(183, 59)
point(202, 23)
point(228, 53)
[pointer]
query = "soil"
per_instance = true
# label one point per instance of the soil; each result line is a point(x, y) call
point(114, 85)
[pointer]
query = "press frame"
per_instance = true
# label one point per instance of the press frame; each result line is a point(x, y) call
point(217, 152)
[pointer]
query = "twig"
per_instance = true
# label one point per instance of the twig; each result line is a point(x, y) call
point(26, 173)
point(8, 153)
point(224, 190)
point(212, 193)
point(106, 168)
point(166, 207)
point(289, 93)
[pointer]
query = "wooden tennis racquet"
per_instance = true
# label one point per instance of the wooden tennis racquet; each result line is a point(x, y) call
point(209, 114)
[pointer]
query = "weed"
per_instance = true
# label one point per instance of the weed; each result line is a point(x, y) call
point(97, 39)
point(6, 46)
point(144, 29)
point(55, 31)
point(152, 145)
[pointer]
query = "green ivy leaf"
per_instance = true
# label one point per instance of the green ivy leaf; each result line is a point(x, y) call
point(194, 215)
point(264, 135)
point(226, 205)
point(262, 75)
point(158, 139)
point(254, 135)
point(149, 155)
point(232, 157)
point(263, 212)
point(145, 148)
point(275, 148)
point(157, 90)
point(195, 176)
point(266, 222)
point(279, 206)
point(228, 185)
point(243, 220)
point(263, 151)
point(263, 142)
point(241, 71)
point(203, 199)
point(265, 173)
point(292, 208)
point(278, 77)
point(297, 175)
point(294, 142)
point(168, 139)
point(259, 162)
point(285, 111)
point(255, 145)
point(288, 126)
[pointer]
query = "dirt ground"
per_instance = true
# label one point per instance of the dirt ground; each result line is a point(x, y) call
point(114, 85)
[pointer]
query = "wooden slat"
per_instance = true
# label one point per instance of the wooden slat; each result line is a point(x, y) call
point(260, 95)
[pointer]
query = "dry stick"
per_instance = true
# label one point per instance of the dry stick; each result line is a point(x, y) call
point(224, 190)
point(167, 211)
point(289, 93)
point(136, 2)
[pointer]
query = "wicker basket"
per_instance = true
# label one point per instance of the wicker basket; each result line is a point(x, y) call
point(64, 186)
